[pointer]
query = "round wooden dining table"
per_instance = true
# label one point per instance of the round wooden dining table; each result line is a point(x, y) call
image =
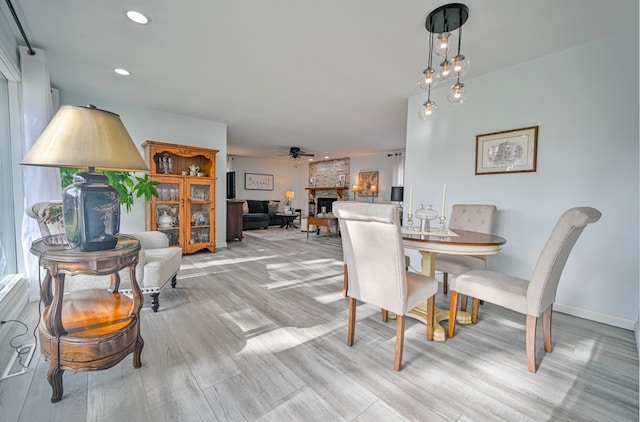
point(457, 242)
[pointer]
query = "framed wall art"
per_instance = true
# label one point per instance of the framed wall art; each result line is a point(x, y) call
point(368, 183)
point(255, 181)
point(510, 151)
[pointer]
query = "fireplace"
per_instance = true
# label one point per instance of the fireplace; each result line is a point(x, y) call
point(324, 202)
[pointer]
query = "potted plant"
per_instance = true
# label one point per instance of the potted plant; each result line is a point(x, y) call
point(126, 183)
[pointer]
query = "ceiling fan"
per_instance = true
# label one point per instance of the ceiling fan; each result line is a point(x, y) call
point(296, 152)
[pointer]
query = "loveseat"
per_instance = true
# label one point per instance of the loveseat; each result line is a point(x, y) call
point(158, 263)
point(260, 214)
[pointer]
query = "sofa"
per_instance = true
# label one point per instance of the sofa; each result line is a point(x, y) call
point(260, 214)
point(158, 263)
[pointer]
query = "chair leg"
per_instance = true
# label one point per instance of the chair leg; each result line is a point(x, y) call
point(431, 315)
point(345, 282)
point(445, 283)
point(530, 342)
point(397, 361)
point(463, 303)
point(155, 301)
point(453, 312)
point(546, 328)
point(174, 280)
point(385, 315)
point(474, 310)
point(352, 321)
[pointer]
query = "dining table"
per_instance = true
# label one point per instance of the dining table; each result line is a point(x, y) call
point(454, 242)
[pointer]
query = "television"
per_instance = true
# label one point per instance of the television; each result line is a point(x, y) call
point(231, 185)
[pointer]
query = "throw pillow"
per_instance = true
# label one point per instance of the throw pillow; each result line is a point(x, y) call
point(245, 208)
point(273, 207)
point(255, 206)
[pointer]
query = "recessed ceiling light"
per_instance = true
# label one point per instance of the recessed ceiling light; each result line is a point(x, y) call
point(310, 159)
point(138, 17)
point(123, 72)
point(326, 157)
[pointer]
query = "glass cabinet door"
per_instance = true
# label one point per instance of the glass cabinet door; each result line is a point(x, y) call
point(167, 210)
point(200, 214)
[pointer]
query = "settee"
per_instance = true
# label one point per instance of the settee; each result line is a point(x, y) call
point(158, 263)
point(260, 214)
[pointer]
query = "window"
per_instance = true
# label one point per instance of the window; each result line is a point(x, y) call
point(8, 261)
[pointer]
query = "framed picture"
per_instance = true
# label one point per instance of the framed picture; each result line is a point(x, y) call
point(368, 183)
point(511, 151)
point(342, 181)
point(255, 181)
point(312, 182)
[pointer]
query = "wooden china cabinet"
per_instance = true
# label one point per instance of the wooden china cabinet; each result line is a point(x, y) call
point(185, 209)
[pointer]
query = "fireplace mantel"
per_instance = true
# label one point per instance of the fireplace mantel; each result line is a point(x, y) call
point(338, 189)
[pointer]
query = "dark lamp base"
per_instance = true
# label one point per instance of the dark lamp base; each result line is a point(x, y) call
point(91, 210)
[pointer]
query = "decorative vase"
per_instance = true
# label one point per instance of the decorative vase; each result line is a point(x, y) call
point(425, 215)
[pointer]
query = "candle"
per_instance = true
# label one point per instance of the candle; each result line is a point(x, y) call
point(444, 196)
point(411, 199)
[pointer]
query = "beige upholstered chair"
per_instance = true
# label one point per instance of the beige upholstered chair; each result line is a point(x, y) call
point(158, 263)
point(375, 264)
point(472, 217)
point(533, 297)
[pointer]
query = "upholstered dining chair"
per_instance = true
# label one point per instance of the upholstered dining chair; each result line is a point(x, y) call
point(533, 297)
point(375, 264)
point(472, 217)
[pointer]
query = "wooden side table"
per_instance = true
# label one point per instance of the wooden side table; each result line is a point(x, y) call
point(91, 329)
point(328, 222)
point(234, 220)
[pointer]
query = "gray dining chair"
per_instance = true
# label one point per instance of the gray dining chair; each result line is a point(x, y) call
point(533, 297)
point(375, 265)
point(471, 217)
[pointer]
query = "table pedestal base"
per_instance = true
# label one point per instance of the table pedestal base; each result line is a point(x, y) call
point(439, 334)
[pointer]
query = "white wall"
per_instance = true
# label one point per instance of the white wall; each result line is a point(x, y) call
point(145, 124)
point(285, 177)
point(374, 162)
point(587, 113)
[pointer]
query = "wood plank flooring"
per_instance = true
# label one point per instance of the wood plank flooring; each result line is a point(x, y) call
point(257, 332)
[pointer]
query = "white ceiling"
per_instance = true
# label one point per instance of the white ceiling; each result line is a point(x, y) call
point(330, 76)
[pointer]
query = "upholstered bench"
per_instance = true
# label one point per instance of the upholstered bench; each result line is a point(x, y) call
point(158, 263)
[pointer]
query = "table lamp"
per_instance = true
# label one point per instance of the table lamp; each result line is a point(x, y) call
point(289, 195)
point(78, 137)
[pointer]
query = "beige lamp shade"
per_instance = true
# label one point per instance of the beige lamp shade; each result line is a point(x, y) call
point(289, 195)
point(86, 137)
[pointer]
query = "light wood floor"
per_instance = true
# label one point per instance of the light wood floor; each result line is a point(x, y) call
point(257, 331)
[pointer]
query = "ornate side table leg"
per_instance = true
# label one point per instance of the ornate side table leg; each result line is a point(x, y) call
point(54, 376)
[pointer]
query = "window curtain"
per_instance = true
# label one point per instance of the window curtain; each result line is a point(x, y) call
point(397, 168)
point(40, 183)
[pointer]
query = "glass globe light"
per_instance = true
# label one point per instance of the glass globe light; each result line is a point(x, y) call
point(443, 43)
point(446, 70)
point(427, 110)
point(428, 77)
point(459, 64)
point(457, 93)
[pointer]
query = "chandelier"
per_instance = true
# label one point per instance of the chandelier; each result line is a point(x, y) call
point(440, 23)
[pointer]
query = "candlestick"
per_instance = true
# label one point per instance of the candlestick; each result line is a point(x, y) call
point(444, 196)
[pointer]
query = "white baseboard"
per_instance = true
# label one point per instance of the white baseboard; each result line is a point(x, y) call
point(636, 329)
point(627, 324)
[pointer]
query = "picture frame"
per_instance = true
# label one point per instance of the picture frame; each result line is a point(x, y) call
point(257, 181)
point(509, 151)
point(368, 183)
point(312, 182)
point(342, 180)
